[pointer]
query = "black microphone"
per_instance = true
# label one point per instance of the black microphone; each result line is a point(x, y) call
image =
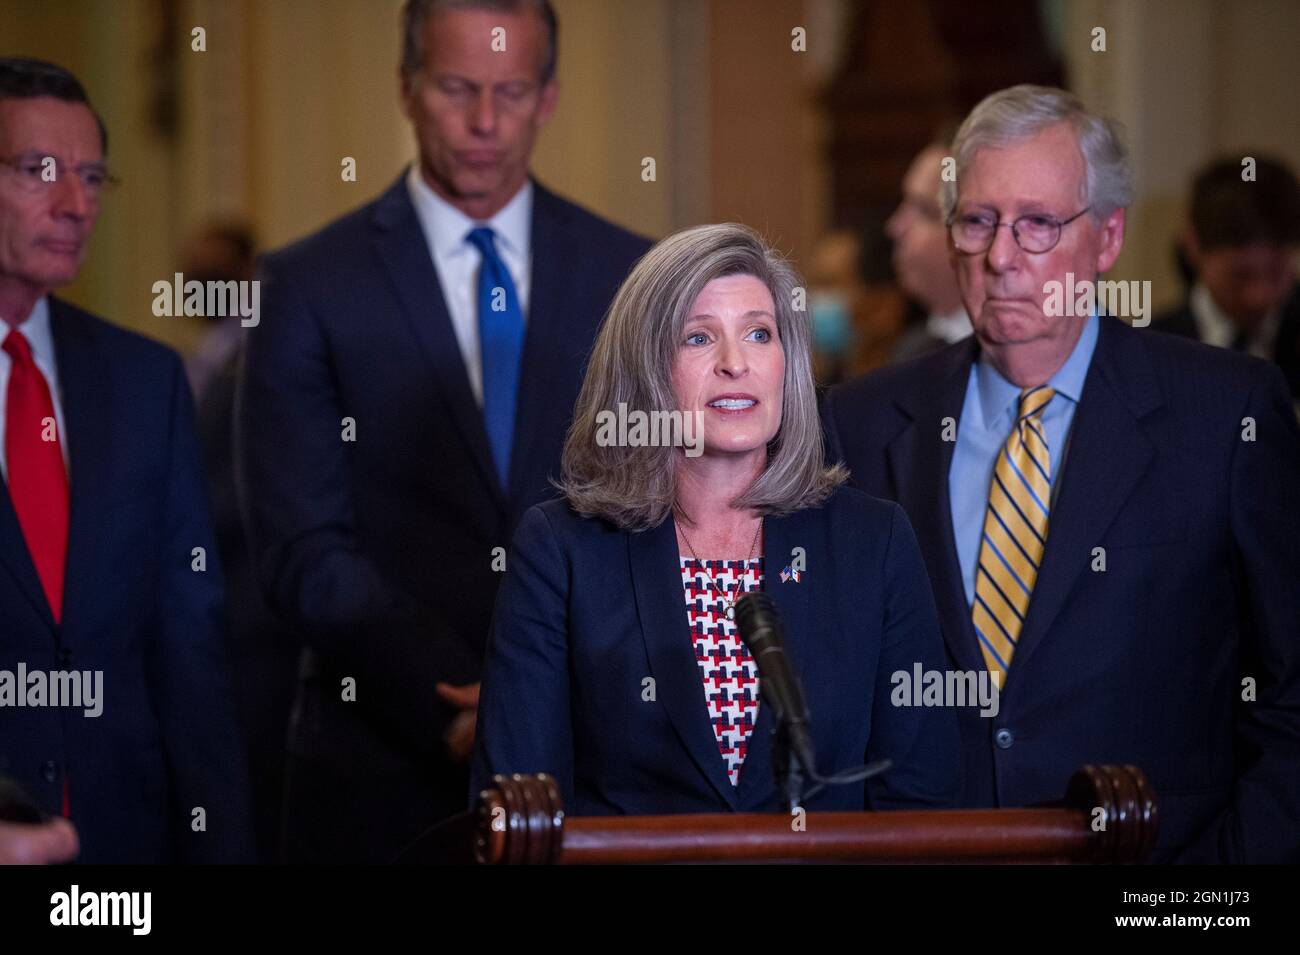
point(759, 626)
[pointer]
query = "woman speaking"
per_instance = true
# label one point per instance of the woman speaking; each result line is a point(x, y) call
point(614, 662)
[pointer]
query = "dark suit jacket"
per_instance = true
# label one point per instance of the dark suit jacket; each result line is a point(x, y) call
point(133, 608)
point(1140, 663)
point(1286, 347)
point(380, 551)
point(588, 612)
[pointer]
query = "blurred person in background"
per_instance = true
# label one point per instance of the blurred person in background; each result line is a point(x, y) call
point(857, 310)
point(217, 252)
point(835, 299)
point(263, 649)
point(1241, 246)
point(923, 260)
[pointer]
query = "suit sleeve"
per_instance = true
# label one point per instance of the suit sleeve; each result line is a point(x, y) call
point(1263, 824)
point(524, 724)
point(302, 529)
point(920, 741)
point(189, 674)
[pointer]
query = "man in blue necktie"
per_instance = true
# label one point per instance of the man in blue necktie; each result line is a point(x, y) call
point(405, 400)
point(501, 343)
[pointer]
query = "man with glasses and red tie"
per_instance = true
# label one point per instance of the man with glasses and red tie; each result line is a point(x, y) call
point(102, 514)
point(1106, 513)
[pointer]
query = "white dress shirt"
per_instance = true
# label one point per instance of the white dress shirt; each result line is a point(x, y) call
point(457, 261)
point(36, 329)
point(1214, 327)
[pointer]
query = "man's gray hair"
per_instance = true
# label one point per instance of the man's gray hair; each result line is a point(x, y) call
point(416, 12)
point(1020, 112)
point(635, 488)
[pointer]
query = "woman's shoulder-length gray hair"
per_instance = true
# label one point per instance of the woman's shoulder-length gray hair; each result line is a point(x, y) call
point(632, 364)
point(1020, 112)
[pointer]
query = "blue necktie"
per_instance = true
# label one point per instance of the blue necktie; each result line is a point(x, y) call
point(501, 346)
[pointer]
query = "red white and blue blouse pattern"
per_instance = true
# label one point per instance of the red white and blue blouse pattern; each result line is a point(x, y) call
point(727, 668)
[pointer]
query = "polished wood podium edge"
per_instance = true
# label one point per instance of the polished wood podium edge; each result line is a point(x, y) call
point(1109, 815)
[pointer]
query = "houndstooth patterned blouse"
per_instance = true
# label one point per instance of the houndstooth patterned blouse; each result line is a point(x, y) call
point(727, 669)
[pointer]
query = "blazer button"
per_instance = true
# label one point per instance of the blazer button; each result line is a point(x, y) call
point(1004, 739)
point(50, 771)
point(65, 658)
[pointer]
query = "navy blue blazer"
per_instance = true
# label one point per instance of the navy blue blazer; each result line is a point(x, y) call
point(1142, 662)
point(588, 613)
point(380, 550)
point(134, 609)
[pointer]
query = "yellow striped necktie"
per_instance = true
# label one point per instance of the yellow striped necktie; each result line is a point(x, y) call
point(1015, 533)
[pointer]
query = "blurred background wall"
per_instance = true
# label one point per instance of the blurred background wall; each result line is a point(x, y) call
point(741, 126)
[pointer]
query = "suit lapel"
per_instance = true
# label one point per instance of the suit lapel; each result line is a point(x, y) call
point(919, 460)
point(1107, 455)
point(85, 379)
point(401, 246)
point(544, 362)
point(661, 606)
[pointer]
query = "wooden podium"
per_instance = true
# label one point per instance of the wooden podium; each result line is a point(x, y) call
point(1108, 815)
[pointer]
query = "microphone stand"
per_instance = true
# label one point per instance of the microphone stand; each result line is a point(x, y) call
point(786, 767)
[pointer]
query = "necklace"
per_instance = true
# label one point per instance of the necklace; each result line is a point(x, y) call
point(730, 603)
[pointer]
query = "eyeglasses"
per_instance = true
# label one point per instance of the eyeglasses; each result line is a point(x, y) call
point(1036, 233)
point(35, 173)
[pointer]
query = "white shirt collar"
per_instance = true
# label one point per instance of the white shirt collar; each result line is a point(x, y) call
point(445, 226)
point(36, 329)
point(999, 397)
point(1214, 327)
point(951, 327)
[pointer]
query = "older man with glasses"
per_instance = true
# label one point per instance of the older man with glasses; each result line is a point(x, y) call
point(1105, 511)
point(108, 569)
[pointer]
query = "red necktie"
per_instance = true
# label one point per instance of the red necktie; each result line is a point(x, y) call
point(38, 484)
